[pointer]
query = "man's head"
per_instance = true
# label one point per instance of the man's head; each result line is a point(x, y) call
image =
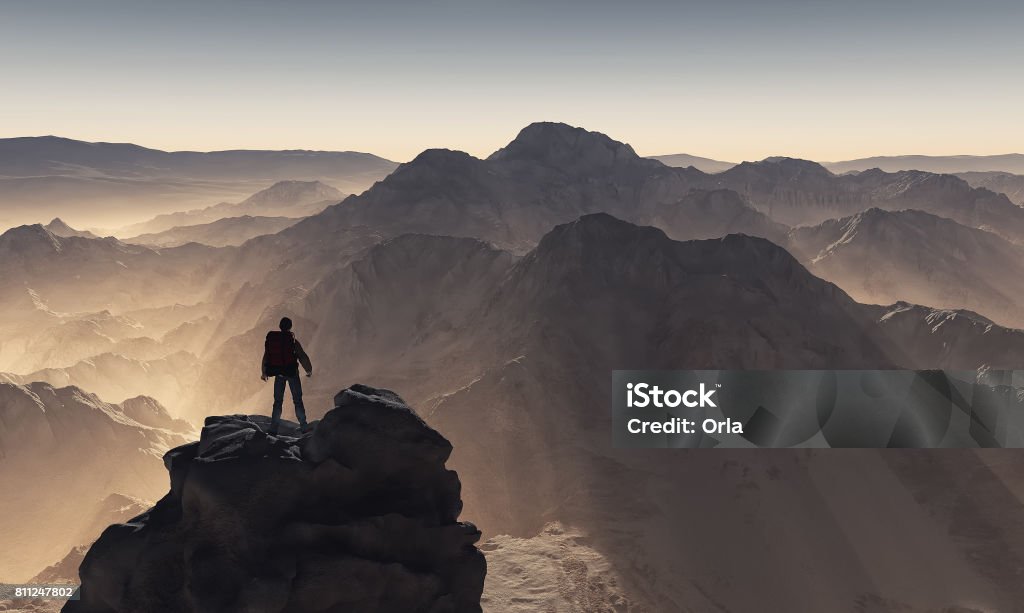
point(286, 324)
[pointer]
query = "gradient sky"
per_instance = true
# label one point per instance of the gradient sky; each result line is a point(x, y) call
point(728, 79)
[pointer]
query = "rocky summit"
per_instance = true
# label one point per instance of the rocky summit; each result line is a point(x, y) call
point(356, 514)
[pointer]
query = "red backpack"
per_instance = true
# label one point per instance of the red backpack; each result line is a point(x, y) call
point(281, 349)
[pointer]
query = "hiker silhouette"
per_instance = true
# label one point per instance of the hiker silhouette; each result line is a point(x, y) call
point(282, 355)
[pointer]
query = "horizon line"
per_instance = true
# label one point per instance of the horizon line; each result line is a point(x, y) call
point(300, 149)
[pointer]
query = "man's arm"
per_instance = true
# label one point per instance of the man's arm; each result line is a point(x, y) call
point(303, 358)
point(263, 363)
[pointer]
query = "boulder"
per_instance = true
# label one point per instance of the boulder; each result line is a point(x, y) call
point(358, 513)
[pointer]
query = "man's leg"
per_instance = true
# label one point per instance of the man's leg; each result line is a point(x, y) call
point(295, 384)
point(275, 416)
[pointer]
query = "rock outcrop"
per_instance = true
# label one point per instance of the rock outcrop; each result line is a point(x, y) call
point(357, 514)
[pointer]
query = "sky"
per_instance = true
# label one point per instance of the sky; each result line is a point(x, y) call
point(727, 79)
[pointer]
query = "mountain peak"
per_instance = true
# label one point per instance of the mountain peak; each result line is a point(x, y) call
point(58, 227)
point(434, 167)
point(294, 193)
point(22, 237)
point(598, 258)
point(794, 165)
point(442, 158)
point(598, 229)
point(564, 146)
point(779, 168)
point(598, 244)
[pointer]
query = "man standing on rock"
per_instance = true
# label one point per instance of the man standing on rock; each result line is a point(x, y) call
point(282, 355)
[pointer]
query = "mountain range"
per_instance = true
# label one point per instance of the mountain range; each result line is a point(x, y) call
point(550, 174)
point(942, 164)
point(553, 173)
point(484, 293)
point(939, 164)
point(497, 295)
point(799, 192)
point(512, 355)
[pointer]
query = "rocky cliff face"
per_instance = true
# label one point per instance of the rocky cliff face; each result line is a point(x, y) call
point(1012, 185)
point(950, 338)
point(358, 514)
point(790, 191)
point(882, 257)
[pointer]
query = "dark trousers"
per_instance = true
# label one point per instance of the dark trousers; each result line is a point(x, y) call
point(295, 385)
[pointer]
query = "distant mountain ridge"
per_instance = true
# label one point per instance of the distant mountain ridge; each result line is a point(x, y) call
point(942, 164)
point(289, 194)
point(684, 160)
point(1003, 182)
point(110, 184)
point(939, 164)
point(293, 199)
point(800, 192)
point(35, 156)
point(229, 231)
